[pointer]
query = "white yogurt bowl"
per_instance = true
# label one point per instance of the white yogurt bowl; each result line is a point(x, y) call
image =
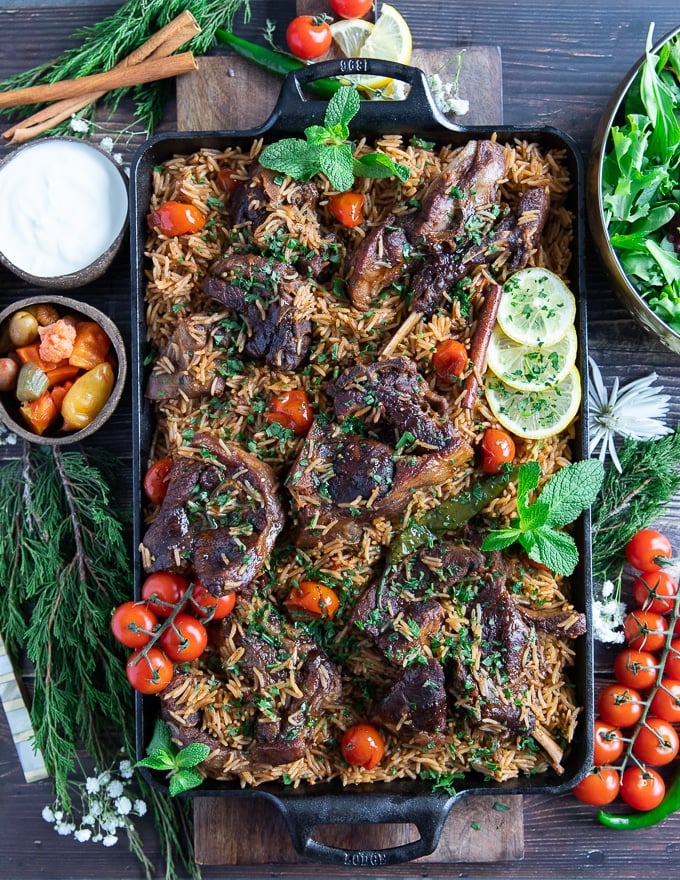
point(63, 212)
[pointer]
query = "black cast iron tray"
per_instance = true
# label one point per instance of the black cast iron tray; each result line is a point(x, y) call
point(402, 801)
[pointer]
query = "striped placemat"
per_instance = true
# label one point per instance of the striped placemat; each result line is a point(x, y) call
point(19, 720)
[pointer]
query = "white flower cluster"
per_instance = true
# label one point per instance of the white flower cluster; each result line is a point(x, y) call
point(106, 808)
point(608, 615)
point(79, 125)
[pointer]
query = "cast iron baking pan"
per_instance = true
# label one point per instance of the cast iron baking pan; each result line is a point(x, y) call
point(403, 801)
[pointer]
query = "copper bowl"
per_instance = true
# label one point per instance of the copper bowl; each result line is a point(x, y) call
point(9, 405)
point(624, 286)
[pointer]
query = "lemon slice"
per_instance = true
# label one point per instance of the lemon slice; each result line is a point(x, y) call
point(535, 415)
point(389, 39)
point(530, 367)
point(350, 34)
point(537, 308)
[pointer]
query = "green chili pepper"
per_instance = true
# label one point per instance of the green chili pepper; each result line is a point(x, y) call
point(668, 805)
point(275, 62)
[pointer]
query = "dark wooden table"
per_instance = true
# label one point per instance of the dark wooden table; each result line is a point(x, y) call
point(562, 60)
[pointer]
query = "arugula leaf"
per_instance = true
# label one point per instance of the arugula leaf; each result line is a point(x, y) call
point(564, 497)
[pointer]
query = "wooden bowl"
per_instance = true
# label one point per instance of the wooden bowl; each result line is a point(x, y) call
point(63, 212)
point(9, 405)
point(624, 286)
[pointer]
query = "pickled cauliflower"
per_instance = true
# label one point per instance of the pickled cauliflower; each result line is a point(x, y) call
point(56, 341)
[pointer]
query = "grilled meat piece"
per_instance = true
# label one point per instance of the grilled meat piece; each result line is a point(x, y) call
point(263, 292)
point(332, 464)
point(250, 199)
point(380, 259)
point(400, 398)
point(219, 520)
point(175, 374)
point(416, 702)
point(564, 621)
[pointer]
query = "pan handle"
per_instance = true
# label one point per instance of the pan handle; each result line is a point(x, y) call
point(417, 111)
point(427, 812)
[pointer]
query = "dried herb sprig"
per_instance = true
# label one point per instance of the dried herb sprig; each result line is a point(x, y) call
point(102, 45)
point(64, 565)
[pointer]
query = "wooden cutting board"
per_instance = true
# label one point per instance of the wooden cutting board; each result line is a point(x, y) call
point(229, 93)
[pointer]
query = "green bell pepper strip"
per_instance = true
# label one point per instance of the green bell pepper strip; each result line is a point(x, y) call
point(668, 805)
point(275, 62)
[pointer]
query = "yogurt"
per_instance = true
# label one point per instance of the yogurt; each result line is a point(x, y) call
point(62, 204)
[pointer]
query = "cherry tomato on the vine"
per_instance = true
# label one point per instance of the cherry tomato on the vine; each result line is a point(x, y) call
point(672, 667)
point(156, 480)
point(351, 8)
point(498, 448)
point(163, 590)
point(347, 208)
point(362, 745)
point(599, 787)
point(185, 639)
point(204, 604)
point(150, 671)
point(620, 705)
point(132, 624)
point(292, 409)
point(666, 701)
point(656, 742)
point(642, 788)
point(647, 549)
point(309, 36)
point(635, 669)
point(313, 598)
point(608, 743)
point(655, 591)
point(176, 218)
point(645, 630)
point(450, 360)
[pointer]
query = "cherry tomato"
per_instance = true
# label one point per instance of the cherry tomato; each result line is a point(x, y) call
point(132, 624)
point(666, 701)
point(163, 590)
point(291, 409)
point(347, 208)
point(314, 599)
point(362, 746)
point(645, 630)
point(642, 789)
point(186, 639)
point(150, 672)
point(608, 743)
point(351, 8)
point(656, 742)
point(309, 36)
point(204, 604)
point(619, 705)
point(156, 480)
point(176, 218)
point(672, 667)
point(637, 669)
point(498, 448)
point(599, 787)
point(450, 360)
point(655, 591)
point(647, 549)
point(227, 179)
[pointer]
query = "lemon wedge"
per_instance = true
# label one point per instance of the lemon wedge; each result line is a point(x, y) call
point(535, 415)
point(388, 39)
point(537, 308)
point(531, 367)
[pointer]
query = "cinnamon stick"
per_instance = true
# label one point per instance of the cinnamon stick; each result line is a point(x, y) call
point(116, 78)
point(479, 344)
point(164, 42)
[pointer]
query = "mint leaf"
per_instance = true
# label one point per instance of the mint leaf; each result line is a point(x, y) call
point(159, 760)
point(534, 516)
point(294, 157)
point(183, 780)
point(555, 549)
point(499, 539)
point(379, 165)
point(571, 490)
point(161, 739)
point(528, 476)
point(317, 134)
point(192, 755)
point(337, 164)
point(342, 107)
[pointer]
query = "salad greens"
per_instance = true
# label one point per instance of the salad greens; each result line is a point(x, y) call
point(641, 182)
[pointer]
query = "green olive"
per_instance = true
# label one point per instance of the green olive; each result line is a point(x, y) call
point(86, 397)
point(23, 328)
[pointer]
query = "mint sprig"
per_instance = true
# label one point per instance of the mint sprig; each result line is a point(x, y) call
point(328, 150)
point(537, 528)
point(179, 764)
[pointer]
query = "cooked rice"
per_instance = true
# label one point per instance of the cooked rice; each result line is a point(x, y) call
point(341, 334)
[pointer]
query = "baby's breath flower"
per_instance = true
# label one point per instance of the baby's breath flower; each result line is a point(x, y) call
point(126, 769)
point(96, 808)
point(82, 835)
point(140, 807)
point(88, 819)
point(123, 805)
point(115, 788)
point(110, 840)
point(64, 828)
point(80, 126)
point(105, 777)
point(48, 814)
point(92, 785)
point(608, 620)
point(106, 144)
